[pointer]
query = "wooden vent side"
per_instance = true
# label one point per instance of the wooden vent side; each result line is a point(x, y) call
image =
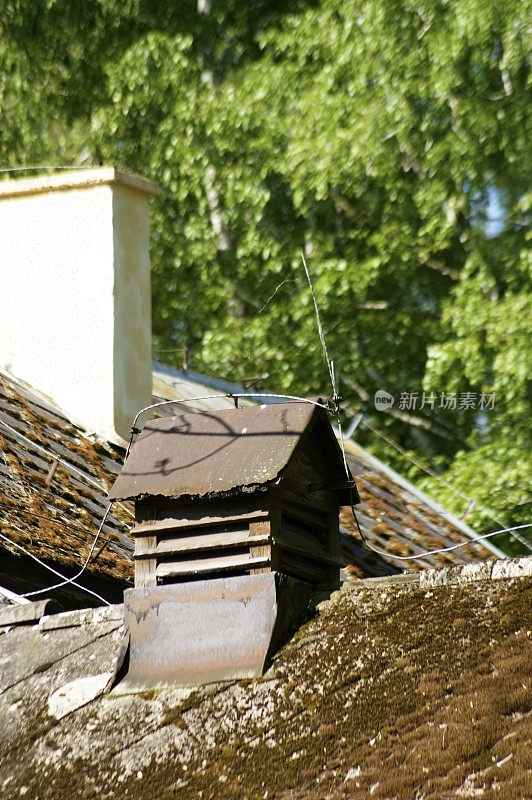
point(219, 546)
point(172, 520)
point(204, 567)
point(306, 544)
point(145, 568)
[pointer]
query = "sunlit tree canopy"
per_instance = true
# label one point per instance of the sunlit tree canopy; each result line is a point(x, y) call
point(388, 141)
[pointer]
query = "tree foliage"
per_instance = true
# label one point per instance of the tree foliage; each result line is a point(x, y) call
point(379, 137)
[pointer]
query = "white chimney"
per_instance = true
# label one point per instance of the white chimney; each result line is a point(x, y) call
point(75, 321)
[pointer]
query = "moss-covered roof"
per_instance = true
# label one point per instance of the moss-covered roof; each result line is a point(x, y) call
point(398, 691)
point(53, 485)
point(56, 519)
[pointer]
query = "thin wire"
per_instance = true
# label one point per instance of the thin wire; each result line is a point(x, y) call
point(72, 580)
point(82, 570)
point(57, 523)
point(330, 366)
point(347, 471)
point(336, 399)
point(51, 569)
point(427, 552)
point(440, 550)
point(270, 298)
point(348, 474)
point(217, 397)
point(433, 474)
point(88, 479)
point(418, 464)
point(320, 327)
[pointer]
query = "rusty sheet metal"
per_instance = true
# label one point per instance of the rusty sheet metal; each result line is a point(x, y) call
point(206, 453)
point(199, 631)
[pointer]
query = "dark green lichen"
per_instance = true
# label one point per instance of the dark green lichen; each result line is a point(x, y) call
point(388, 692)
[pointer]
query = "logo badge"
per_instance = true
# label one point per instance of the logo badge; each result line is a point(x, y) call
point(383, 400)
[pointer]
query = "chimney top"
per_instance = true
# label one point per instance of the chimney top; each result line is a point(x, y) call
point(76, 313)
point(77, 179)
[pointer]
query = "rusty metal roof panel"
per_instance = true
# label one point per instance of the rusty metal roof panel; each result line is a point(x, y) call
point(210, 453)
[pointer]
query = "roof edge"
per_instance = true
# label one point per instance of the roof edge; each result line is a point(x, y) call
point(81, 178)
point(347, 496)
point(244, 488)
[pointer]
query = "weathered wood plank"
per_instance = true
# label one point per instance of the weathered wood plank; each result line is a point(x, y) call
point(202, 507)
point(175, 523)
point(212, 541)
point(275, 525)
point(177, 569)
point(145, 567)
point(308, 467)
point(301, 567)
point(260, 530)
point(25, 613)
point(295, 492)
point(317, 533)
point(313, 517)
point(306, 538)
point(312, 553)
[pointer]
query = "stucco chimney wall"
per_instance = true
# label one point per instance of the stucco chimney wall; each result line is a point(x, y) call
point(75, 321)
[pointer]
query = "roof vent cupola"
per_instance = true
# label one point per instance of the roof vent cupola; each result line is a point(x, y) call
point(237, 524)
